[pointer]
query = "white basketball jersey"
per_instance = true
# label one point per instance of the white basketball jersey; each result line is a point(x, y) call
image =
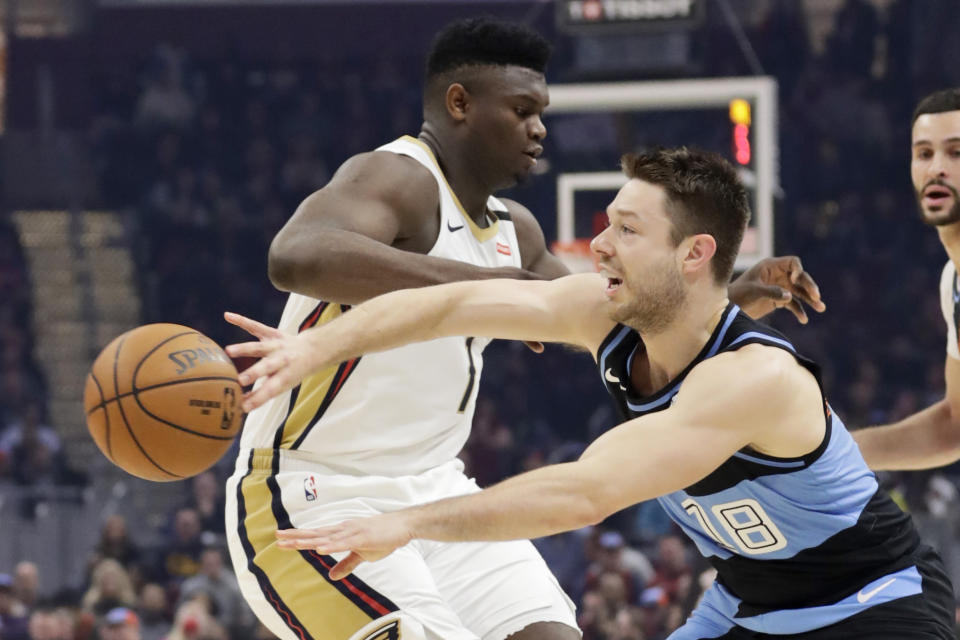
point(950, 306)
point(396, 412)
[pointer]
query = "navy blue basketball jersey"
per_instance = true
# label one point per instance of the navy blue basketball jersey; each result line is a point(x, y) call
point(798, 543)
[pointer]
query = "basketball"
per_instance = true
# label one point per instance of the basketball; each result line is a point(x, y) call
point(162, 402)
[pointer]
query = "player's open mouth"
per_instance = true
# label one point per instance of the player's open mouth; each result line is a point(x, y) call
point(936, 195)
point(613, 284)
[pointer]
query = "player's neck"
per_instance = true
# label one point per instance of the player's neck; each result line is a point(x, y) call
point(669, 352)
point(950, 238)
point(461, 177)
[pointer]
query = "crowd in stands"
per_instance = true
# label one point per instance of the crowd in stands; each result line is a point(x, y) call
point(212, 155)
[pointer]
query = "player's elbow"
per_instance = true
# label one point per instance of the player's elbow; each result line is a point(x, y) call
point(948, 435)
point(281, 268)
point(291, 265)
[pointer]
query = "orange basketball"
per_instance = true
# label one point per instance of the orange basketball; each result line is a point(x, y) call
point(163, 402)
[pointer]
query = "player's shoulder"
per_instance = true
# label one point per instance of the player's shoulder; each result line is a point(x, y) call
point(519, 215)
point(529, 233)
point(386, 168)
point(754, 370)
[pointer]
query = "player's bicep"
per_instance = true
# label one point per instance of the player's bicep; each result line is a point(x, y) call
point(709, 420)
point(332, 209)
point(657, 454)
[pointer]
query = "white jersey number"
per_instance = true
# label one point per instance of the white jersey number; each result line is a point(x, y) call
point(746, 522)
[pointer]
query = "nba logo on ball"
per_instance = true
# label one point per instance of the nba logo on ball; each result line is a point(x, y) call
point(310, 488)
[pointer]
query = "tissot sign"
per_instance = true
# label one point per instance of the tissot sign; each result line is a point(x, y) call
point(626, 14)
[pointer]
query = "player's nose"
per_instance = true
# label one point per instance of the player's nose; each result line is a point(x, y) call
point(938, 166)
point(600, 244)
point(538, 130)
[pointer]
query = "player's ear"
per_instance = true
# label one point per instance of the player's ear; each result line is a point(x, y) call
point(696, 252)
point(457, 101)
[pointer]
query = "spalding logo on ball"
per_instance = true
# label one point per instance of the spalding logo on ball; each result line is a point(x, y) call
point(162, 402)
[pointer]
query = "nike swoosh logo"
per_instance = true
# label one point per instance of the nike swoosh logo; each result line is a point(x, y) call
point(863, 597)
point(608, 375)
point(453, 228)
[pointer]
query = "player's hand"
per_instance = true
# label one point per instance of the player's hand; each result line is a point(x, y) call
point(367, 540)
point(258, 330)
point(284, 360)
point(773, 283)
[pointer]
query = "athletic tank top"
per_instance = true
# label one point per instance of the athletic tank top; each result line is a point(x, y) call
point(950, 306)
point(783, 533)
point(397, 412)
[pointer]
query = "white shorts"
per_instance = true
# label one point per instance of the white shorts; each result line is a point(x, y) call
point(448, 591)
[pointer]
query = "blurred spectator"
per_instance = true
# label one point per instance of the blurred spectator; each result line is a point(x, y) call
point(110, 587)
point(673, 573)
point(13, 615)
point(155, 620)
point(28, 426)
point(120, 623)
point(49, 623)
point(36, 459)
point(180, 557)
point(165, 101)
point(220, 585)
point(612, 556)
point(206, 498)
point(26, 584)
point(193, 621)
point(115, 543)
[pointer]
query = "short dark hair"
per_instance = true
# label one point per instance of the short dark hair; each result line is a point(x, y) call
point(486, 40)
point(938, 102)
point(704, 195)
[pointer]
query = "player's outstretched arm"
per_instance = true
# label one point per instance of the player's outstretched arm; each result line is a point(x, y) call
point(774, 283)
point(636, 461)
point(568, 310)
point(925, 440)
point(341, 243)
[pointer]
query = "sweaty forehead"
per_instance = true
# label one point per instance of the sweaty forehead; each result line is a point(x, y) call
point(936, 127)
point(507, 80)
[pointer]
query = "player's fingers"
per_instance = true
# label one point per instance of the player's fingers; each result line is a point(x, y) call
point(247, 350)
point(251, 326)
point(794, 268)
point(808, 291)
point(268, 364)
point(306, 534)
point(778, 295)
point(797, 309)
point(262, 394)
point(346, 566)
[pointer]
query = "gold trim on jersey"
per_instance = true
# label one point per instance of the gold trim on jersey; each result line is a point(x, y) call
point(481, 234)
point(310, 394)
point(319, 607)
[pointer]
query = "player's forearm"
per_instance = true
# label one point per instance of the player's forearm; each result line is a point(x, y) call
point(495, 308)
point(925, 440)
point(539, 503)
point(346, 267)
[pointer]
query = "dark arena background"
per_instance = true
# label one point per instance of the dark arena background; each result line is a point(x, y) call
point(151, 149)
